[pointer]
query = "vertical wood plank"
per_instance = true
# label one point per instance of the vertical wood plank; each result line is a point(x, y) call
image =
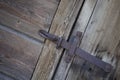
point(81, 24)
point(61, 25)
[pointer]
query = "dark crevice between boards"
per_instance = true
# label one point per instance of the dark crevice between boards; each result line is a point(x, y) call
point(89, 19)
point(54, 15)
point(85, 62)
point(45, 39)
point(83, 32)
point(73, 26)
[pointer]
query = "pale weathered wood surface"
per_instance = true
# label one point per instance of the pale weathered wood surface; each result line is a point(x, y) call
point(61, 26)
point(102, 34)
point(18, 55)
point(101, 38)
point(28, 16)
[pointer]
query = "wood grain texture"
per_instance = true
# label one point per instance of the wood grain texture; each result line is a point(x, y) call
point(101, 39)
point(18, 55)
point(61, 26)
point(71, 70)
point(28, 16)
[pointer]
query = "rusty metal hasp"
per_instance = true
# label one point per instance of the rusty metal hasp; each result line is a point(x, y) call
point(73, 49)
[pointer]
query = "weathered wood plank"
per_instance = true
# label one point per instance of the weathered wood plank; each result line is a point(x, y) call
point(18, 55)
point(101, 37)
point(28, 16)
point(63, 72)
point(76, 70)
point(61, 25)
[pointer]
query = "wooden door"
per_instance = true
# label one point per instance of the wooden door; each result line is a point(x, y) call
point(24, 55)
point(20, 44)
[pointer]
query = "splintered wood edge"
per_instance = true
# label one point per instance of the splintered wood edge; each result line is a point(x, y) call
point(64, 19)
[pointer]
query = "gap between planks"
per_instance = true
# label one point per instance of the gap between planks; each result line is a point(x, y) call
point(62, 75)
point(62, 23)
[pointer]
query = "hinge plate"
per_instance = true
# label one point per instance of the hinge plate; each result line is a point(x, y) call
point(73, 50)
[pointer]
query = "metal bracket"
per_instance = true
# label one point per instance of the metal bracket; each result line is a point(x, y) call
point(75, 41)
point(73, 49)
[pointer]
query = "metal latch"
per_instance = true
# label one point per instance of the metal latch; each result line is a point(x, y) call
point(73, 49)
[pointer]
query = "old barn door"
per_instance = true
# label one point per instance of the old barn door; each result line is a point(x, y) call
point(24, 55)
point(20, 44)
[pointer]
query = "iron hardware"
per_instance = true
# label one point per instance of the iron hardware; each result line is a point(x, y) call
point(72, 48)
